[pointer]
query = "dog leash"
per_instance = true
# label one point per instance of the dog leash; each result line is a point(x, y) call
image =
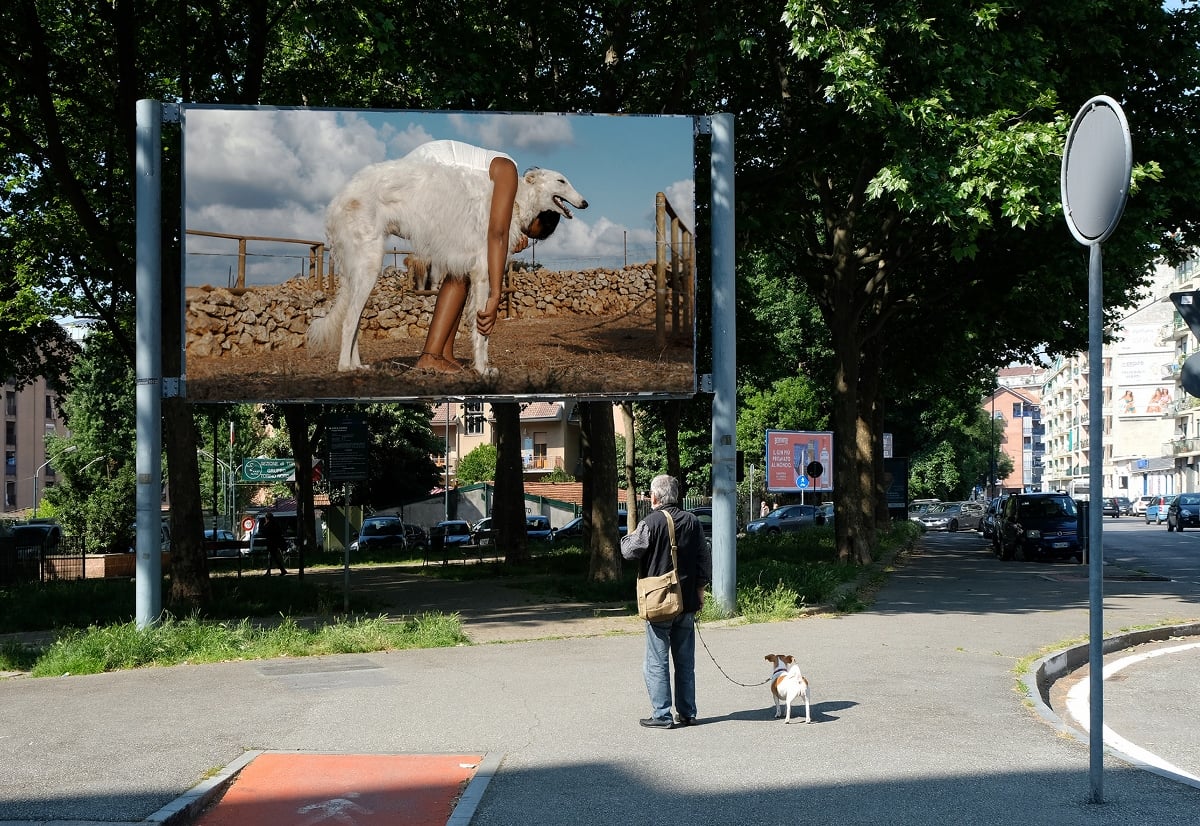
point(718, 665)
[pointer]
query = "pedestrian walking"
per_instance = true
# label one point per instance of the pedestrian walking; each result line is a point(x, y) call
point(672, 641)
point(272, 534)
point(764, 509)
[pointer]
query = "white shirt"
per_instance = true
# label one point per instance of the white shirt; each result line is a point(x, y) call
point(457, 153)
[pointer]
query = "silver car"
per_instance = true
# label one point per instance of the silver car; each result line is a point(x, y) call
point(952, 516)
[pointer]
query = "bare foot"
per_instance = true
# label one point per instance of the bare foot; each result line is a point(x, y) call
point(438, 364)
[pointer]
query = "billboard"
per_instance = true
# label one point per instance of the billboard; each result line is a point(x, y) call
point(799, 461)
point(605, 306)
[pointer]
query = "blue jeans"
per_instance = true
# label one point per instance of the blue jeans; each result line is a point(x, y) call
point(676, 639)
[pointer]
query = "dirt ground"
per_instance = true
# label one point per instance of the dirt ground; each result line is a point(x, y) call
point(540, 357)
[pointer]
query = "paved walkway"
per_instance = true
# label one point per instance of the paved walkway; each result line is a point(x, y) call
point(918, 718)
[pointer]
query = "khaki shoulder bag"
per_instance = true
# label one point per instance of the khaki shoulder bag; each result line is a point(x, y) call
point(660, 598)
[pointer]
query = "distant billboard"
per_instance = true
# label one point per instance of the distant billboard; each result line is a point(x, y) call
point(603, 307)
point(799, 461)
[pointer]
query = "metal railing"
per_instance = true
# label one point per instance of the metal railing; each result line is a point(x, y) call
point(66, 560)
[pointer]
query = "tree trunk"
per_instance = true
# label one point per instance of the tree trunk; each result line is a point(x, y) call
point(191, 589)
point(600, 443)
point(508, 507)
point(295, 416)
point(630, 467)
point(671, 416)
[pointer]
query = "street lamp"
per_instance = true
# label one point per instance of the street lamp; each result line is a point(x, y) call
point(37, 473)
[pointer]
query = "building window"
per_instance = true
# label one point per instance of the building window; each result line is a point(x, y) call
point(1016, 410)
point(10, 434)
point(474, 418)
point(49, 407)
point(10, 402)
point(10, 462)
point(539, 450)
point(10, 495)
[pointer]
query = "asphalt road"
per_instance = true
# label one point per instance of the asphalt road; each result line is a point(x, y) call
point(918, 714)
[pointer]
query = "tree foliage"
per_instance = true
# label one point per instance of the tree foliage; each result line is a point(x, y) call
point(477, 466)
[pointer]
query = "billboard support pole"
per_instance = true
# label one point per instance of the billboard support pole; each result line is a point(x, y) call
point(724, 344)
point(148, 335)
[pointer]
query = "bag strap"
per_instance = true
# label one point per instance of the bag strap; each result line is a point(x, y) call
point(671, 532)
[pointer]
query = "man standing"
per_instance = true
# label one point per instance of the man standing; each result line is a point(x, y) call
point(651, 544)
point(273, 534)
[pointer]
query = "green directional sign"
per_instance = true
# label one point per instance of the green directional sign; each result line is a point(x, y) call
point(268, 470)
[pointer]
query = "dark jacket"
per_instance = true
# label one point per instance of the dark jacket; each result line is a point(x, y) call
point(651, 544)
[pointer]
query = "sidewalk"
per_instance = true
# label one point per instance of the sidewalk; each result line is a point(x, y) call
point(917, 715)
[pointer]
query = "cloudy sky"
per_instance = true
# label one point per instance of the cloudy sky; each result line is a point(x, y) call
point(271, 172)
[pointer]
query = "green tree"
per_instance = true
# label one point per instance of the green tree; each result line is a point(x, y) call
point(94, 497)
point(477, 466)
point(932, 205)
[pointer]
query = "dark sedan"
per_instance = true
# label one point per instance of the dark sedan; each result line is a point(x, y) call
point(1184, 512)
point(786, 518)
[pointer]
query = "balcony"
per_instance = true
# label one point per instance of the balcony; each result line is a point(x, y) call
point(1181, 447)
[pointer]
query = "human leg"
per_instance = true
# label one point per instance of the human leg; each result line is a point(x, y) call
point(683, 656)
point(438, 352)
point(656, 670)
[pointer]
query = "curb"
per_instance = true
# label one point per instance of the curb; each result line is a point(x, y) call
point(188, 806)
point(1049, 669)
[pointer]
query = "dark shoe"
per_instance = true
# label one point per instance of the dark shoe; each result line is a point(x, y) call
point(656, 722)
point(684, 722)
point(283, 573)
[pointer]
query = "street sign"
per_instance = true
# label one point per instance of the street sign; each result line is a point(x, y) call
point(1096, 166)
point(266, 471)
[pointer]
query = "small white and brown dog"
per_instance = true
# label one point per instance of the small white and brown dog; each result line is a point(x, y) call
point(787, 683)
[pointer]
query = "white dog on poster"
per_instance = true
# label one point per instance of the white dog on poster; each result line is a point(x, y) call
point(442, 211)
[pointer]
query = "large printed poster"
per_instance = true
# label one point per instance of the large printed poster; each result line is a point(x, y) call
point(341, 255)
point(799, 461)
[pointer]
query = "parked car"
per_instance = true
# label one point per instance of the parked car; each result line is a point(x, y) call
point(574, 528)
point(1184, 512)
point(786, 518)
point(1112, 506)
point(918, 507)
point(224, 543)
point(704, 517)
point(825, 514)
point(379, 533)
point(34, 539)
point(951, 516)
point(482, 532)
point(415, 536)
point(452, 532)
point(1138, 508)
point(1039, 526)
point(571, 530)
point(1156, 509)
point(537, 528)
point(991, 516)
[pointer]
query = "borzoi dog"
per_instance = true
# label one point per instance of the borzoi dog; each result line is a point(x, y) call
point(442, 211)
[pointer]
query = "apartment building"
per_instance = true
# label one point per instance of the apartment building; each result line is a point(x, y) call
point(549, 434)
point(30, 414)
point(1015, 410)
point(1147, 425)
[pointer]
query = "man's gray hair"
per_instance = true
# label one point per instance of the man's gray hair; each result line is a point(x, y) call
point(665, 489)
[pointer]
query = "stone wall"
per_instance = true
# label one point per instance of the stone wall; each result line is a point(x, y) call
point(223, 321)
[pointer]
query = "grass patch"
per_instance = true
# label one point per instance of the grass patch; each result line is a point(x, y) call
point(81, 604)
point(171, 642)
